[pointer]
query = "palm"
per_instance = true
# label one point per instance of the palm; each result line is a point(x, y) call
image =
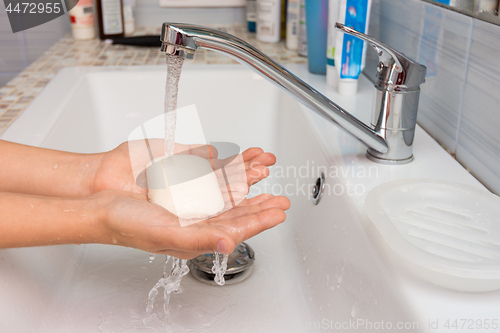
point(138, 223)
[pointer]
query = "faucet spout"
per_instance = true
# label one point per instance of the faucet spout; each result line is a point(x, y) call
point(184, 39)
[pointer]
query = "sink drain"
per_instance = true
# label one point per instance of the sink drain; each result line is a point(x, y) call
point(318, 189)
point(239, 266)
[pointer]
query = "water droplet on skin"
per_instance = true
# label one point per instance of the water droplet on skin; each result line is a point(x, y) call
point(114, 241)
point(87, 165)
point(79, 174)
point(340, 279)
point(32, 206)
point(55, 166)
point(307, 272)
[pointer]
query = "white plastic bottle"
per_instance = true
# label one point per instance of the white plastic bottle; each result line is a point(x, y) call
point(333, 16)
point(82, 20)
point(269, 20)
point(129, 16)
point(292, 25)
point(302, 29)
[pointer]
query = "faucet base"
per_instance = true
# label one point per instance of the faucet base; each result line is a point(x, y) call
point(388, 161)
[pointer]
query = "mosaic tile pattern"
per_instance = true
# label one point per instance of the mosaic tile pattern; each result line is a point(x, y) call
point(18, 93)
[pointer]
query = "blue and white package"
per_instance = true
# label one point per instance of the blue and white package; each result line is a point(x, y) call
point(350, 50)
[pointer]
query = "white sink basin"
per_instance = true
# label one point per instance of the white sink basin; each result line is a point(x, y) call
point(320, 269)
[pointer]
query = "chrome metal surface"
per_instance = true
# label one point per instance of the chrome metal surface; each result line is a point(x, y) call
point(486, 10)
point(395, 71)
point(318, 189)
point(397, 90)
point(241, 259)
point(397, 74)
point(192, 37)
point(208, 278)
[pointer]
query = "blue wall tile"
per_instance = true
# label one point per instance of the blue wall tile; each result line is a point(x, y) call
point(479, 136)
point(439, 39)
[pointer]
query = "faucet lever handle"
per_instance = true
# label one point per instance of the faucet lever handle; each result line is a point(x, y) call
point(396, 71)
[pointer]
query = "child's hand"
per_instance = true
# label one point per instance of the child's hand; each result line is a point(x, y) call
point(128, 219)
point(118, 171)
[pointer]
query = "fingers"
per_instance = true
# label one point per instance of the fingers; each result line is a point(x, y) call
point(197, 239)
point(256, 163)
point(256, 223)
point(257, 173)
point(259, 156)
point(258, 199)
point(258, 214)
point(259, 205)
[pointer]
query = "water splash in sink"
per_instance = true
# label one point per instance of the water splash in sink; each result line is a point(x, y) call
point(169, 283)
point(152, 257)
point(219, 268)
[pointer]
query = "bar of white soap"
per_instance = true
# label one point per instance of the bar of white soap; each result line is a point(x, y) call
point(186, 186)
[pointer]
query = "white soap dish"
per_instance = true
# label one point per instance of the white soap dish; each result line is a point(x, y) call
point(444, 232)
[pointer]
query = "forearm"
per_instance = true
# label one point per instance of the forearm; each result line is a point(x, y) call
point(27, 220)
point(38, 171)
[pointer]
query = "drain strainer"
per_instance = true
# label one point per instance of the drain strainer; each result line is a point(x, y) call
point(318, 189)
point(239, 265)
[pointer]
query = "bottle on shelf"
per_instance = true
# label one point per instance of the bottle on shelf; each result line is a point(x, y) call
point(110, 19)
point(269, 20)
point(82, 20)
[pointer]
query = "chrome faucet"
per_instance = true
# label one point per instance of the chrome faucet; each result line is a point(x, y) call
point(394, 117)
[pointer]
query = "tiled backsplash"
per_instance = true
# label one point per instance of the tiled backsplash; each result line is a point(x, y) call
point(19, 50)
point(16, 95)
point(460, 100)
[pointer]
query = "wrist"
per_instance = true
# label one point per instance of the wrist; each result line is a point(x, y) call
point(98, 207)
point(89, 164)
